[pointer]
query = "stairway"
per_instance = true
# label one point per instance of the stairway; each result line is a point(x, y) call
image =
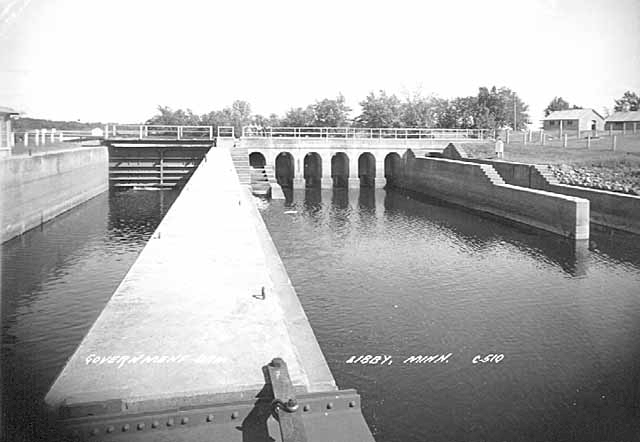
point(260, 182)
point(492, 174)
point(240, 157)
point(276, 190)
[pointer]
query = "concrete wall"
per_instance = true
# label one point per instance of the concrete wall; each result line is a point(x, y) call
point(610, 209)
point(479, 187)
point(34, 189)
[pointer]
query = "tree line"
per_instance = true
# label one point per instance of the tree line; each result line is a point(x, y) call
point(491, 108)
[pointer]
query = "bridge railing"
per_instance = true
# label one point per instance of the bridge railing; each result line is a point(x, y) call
point(42, 137)
point(364, 133)
point(156, 131)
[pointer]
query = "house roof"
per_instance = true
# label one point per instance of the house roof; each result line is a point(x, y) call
point(625, 116)
point(8, 110)
point(572, 114)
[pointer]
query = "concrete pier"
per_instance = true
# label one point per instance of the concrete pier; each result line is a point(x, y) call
point(207, 304)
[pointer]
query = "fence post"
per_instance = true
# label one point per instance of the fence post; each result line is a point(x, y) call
point(588, 141)
point(624, 128)
point(61, 136)
point(564, 140)
point(613, 142)
point(542, 137)
point(37, 137)
point(634, 127)
point(25, 141)
point(507, 136)
point(561, 131)
point(524, 138)
point(53, 135)
point(140, 131)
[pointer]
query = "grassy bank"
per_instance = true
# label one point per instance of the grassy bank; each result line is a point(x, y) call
point(598, 167)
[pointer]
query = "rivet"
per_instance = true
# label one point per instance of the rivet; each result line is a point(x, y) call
point(95, 432)
point(185, 420)
point(329, 405)
point(126, 427)
point(170, 423)
point(155, 424)
point(210, 418)
point(235, 415)
point(306, 408)
point(352, 404)
point(141, 426)
point(110, 429)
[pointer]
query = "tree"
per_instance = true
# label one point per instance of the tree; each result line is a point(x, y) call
point(299, 117)
point(331, 113)
point(167, 116)
point(558, 103)
point(495, 109)
point(418, 111)
point(382, 111)
point(630, 101)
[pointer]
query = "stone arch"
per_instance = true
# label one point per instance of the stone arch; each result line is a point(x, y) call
point(285, 169)
point(367, 169)
point(408, 155)
point(257, 160)
point(313, 169)
point(392, 168)
point(340, 169)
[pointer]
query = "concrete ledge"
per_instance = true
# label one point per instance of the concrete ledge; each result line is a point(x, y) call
point(610, 209)
point(480, 188)
point(35, 189)
point(188, 323)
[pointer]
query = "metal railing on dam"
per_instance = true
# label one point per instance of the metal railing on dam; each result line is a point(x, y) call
point(362, 133)
point(161, 132)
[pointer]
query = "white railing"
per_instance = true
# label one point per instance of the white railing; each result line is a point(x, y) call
point(226, 132)
point(42, 137)
point(364, 133)
point(169, 132)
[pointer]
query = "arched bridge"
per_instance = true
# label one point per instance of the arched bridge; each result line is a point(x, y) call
point(165, 156)
point(342, 157)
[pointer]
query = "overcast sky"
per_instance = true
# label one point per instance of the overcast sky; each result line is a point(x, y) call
point(117, 60)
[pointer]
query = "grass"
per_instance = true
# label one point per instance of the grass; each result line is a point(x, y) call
point(600, 154)
point(598, 167)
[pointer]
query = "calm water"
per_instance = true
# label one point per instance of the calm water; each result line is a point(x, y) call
point(378, 274)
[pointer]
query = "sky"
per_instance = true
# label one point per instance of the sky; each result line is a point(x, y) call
point(117, 60)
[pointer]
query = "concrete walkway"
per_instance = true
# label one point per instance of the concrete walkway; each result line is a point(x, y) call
point(187, 324)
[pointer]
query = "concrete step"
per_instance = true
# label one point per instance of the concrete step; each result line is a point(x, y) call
point(492, 174)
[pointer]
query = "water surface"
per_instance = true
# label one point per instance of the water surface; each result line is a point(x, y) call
point(378, 274)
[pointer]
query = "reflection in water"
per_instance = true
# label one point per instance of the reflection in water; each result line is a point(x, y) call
point(402, 277)
point(482, 233)
point(340, 199)
point(377, 273)
point(55, 281)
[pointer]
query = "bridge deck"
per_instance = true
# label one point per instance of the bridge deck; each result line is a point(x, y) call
point(184, 325)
